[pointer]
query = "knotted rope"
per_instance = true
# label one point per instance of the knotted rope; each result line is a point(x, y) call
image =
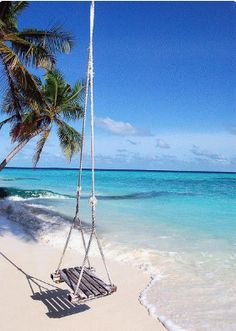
point(92, 200)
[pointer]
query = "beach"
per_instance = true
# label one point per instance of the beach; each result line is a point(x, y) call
point(31, 301)
point(123, 130)
point(167, 236)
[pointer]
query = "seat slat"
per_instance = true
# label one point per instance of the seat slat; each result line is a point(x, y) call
point(82, 287)
point(71, 283)
point(67, 279)
point(104, 288)
point(100, 282)
point(91, 280)
point(83, 283)
point(86, 281)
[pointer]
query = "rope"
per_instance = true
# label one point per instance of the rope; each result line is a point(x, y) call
point(79, 188)
point(92, 200)
point(103, 257)
point(92, 106)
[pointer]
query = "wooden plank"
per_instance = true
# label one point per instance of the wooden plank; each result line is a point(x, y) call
point(107, 287)
point(85, 280)
point(87, 292)
point(75, 280)
point(100, 282)
point(70, 282)
point(93, 282)
point(82, 285)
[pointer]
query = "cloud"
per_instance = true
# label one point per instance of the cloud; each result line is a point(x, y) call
point(122, 150)
point(134, 143)
point(120, 128)
point(125, 159)
point(208, 155)
point(162, 144)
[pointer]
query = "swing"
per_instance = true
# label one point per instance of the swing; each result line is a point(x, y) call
point(82, 280)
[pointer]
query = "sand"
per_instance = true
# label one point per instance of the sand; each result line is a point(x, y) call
point(29, 300)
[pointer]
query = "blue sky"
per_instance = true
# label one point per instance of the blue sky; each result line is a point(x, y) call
point(165, 83)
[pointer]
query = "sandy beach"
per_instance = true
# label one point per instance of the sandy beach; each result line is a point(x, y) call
point(31, 301)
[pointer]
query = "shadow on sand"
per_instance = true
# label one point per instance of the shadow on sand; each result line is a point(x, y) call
point(54, 298)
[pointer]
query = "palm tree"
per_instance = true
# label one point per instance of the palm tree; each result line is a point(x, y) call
point(23, 48)
point(63, 104)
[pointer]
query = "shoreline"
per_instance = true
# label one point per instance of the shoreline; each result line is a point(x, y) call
point(18, 265)
point(163, 236)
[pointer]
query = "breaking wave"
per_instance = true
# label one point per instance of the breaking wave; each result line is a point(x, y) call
point(20, 194)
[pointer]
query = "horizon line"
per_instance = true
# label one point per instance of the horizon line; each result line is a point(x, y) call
point(111, 169)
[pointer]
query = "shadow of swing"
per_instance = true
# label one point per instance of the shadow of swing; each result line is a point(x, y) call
point(57, 304)
point(53, 297)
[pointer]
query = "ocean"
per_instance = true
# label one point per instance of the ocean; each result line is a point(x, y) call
point(179, 226)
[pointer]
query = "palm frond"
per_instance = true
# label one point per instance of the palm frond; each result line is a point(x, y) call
point(30, 54)
point(12, 99)
point(54, 87)
point(16, 130)
point(8, 120)
point(5, 11)
point(9, 10)
point(29, 123)
point(70, 139)
point(72, 106)
point(20, 76)
point(40, 146)
point(2, 24)
point(55, 39)
point(77, 92)
point(71, 111)
point(19, 6)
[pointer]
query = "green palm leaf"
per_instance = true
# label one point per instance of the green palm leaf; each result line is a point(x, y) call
point(19, 6)
point(70, 139)
point(55, 39)
point(21, 78)
point(40, 146)
point(30, 54)
point(71, 111)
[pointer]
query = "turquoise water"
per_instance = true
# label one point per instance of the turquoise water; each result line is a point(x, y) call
point(183, 224)
point(193, 203)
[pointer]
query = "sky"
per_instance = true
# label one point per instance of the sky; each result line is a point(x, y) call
point(165, 83)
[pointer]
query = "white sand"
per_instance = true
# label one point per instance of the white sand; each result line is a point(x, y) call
point(29, 299)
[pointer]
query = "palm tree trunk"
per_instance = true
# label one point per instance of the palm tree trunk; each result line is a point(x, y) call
point(17, 149)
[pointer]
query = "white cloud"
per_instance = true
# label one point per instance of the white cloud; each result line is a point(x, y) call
point(206, 154)
point(162, 144)
point(120, 128)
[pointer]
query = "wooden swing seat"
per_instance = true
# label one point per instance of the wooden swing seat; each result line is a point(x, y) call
point(91, 287)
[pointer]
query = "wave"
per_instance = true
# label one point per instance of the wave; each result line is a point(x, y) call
point(44, 194)
point(142, 195)
point(20, 194)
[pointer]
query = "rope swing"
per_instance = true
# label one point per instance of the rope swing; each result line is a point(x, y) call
point(82, 280)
